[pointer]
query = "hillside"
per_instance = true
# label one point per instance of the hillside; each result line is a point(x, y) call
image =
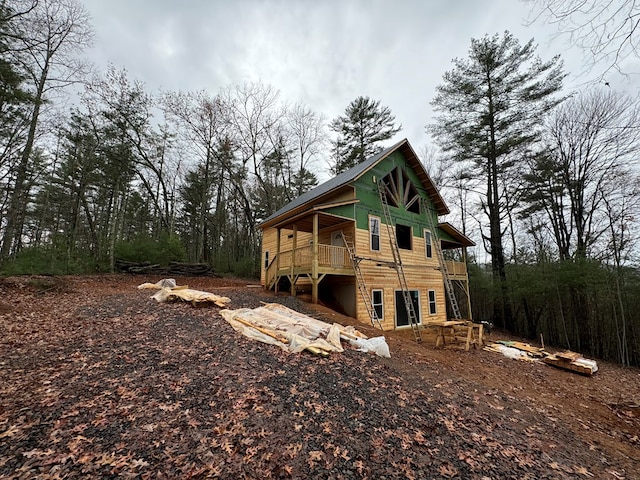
point(98, 380)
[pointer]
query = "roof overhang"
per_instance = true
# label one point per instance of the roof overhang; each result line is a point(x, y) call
point(304, 220)
point(459, 238)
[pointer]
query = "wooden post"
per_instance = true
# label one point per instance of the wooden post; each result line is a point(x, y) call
point(293, 259)
point(277, 258)
point(466, 284)
point(314, 262)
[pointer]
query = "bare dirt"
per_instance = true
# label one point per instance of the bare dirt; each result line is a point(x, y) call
point(98, 380)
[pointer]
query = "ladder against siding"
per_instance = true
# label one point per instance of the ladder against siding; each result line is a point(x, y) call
point(362, 288)
point(397, 264)
point(435, 240)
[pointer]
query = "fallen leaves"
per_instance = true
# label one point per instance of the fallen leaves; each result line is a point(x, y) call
point(107, 384)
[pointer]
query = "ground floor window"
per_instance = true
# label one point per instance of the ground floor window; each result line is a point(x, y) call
point(402, 319)
point(266, 259)
point(432, 302)
point(377, 302)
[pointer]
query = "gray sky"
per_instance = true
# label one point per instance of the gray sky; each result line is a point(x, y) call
point(323, 53)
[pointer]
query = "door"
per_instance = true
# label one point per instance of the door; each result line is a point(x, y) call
point(337, 256)
point(402, 319)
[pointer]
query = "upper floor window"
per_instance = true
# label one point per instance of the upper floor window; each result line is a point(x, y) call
point(404, 236)
point(374, 233)
point(428, 245)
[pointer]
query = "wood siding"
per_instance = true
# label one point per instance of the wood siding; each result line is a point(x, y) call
point(422, 274)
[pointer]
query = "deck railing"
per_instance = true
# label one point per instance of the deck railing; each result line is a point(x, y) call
point(456, 268)
point(302, 258)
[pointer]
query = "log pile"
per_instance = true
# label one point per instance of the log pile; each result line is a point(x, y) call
point(174, 268)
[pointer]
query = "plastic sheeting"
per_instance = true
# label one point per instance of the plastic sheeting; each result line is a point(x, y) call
point(292, 331)
point(169, 292)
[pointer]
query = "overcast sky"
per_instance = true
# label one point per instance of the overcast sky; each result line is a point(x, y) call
point(323, 53)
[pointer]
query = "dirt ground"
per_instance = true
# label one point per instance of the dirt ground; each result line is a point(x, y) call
point(98, 380)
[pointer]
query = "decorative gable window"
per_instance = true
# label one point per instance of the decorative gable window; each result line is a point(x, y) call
point(374, 233)
point(401, 191)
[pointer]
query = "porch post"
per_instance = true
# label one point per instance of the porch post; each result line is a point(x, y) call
point(466, 284)
point(293, 259)
point(277, 258)
point(314, 262)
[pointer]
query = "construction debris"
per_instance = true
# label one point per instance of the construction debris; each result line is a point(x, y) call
point(168, 291)
point(292, 331)
point(571, 361)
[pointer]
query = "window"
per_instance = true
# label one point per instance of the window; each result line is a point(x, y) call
point(377, 302)
point(374, 233)
point(427, 244)
point(400, 191)
point(432, 302)
point(266, 259)
point(403, 236)
point(402, 319)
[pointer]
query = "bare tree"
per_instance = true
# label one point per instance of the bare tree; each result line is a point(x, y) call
point(607, 30)
point(200, 123)
point(593, 142)
point(307, 138)
point(49, 39)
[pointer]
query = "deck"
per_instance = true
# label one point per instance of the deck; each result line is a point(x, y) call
point(332, 260)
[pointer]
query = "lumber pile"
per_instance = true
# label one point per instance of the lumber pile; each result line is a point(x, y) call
point(572, 361)
point(567, 360)
point(174, 268)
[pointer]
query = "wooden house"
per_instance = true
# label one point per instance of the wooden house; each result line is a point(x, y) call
point(367, 241)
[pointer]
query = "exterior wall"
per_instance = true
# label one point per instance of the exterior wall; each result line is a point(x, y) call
point(421, 274)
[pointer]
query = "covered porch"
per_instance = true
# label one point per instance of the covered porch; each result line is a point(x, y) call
point(314, 250)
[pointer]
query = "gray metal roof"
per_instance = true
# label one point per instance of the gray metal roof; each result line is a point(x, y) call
point(353, 173)
point(336, 182)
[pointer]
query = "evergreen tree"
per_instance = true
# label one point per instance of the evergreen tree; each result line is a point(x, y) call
point(491, 108)
point(360, 130)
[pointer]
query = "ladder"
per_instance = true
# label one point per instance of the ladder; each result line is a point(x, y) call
point(364, 293)
point(397, 264)
point(448, 284)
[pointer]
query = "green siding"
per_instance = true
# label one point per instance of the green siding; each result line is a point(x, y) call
point(342, 211)
point(370, 204)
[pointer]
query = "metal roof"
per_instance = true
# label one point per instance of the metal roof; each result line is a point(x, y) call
point(354, 173)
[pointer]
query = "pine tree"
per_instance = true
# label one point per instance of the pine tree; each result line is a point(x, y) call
point(491, 108)
point(360, 131)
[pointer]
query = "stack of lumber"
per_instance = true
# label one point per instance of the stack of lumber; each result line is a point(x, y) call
point(174, 268)
point(572, 361)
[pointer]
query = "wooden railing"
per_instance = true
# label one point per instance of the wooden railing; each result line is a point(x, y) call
point(456, 269)
point(302, 258)
point(330, 256)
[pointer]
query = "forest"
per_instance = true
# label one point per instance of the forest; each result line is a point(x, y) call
point(94, 169)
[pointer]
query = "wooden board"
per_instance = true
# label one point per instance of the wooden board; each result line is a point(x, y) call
point(555, 361)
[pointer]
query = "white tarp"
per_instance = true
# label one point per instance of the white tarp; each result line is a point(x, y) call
point(169, 292)
point(278, 325)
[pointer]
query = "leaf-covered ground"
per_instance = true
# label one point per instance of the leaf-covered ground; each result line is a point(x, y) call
point(98, 380)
